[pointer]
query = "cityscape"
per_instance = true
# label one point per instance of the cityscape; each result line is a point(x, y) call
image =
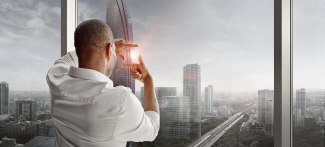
point(233, 119)
point(194, 109)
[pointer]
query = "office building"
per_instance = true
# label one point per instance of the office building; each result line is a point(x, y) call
point(301, 101)
point(263, 95)
point(208, 94)
point(118, 19)
point(175, 117)
point(268, 124)
point(160, 92)
point(265, 105)
point(4, 98)
point(26, 110)
point(192, 89)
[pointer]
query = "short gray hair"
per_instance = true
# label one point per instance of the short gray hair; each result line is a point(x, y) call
point(92, 34)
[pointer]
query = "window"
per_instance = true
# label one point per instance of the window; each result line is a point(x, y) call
point(30, 43)
point(212, 62)
point(308, 73)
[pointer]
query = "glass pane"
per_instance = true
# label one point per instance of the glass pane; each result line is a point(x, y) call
point(212, 62)
point(308, 73)
point(30, 43)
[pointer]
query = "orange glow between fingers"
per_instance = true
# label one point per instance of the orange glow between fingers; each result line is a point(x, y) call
point(134, 54)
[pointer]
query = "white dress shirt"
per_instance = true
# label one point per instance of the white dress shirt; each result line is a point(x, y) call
point(89, 112)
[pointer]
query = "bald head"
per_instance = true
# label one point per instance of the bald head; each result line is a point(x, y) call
point(92, 34)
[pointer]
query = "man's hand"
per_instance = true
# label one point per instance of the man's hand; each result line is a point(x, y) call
point(139, 71)
point(121, 45)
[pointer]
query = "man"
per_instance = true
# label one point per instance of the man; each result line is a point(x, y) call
point(86, 109)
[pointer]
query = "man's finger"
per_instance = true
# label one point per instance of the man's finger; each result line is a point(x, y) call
point(125, 43)
point(130, 44)
point(140, 59)
point(129, 65)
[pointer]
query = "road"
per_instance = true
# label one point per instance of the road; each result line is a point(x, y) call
point(208, 139)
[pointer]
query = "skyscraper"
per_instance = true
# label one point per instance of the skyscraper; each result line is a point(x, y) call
point(192, 89)
point(118, 19)
point(263, 95)
point(4, 98)
point(26, 109)
point(268, 127)
point(300, 106)
point(160, 92)
point(265, 109)
point(175, 117)
point(301, 101)
point(208, 93)
point(165, 91)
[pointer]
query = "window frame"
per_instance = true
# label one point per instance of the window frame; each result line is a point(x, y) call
point(283, 92)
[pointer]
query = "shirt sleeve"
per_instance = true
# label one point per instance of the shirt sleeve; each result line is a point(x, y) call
point(135, 124)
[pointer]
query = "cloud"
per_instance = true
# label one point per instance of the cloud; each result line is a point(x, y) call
point(30, 42)
point(232, 40)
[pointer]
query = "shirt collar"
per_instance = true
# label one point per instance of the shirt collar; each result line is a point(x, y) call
point(89, 74)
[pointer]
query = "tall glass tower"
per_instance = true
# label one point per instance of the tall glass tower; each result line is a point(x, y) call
point(192, 89)
point(4, 98)
point(119, 20)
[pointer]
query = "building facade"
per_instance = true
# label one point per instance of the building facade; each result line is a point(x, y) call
point(26, 109)
point(4, 98)
point(119, 20)
point(301, 106)
point(268, 125)
point(265, 105)
point(192, 89)
point(208, 94)
point(175, 117)
point(160, 92)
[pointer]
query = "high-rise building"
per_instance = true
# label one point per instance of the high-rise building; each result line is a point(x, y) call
point(165, 91)
point(263, 95)
point(268, 125)
point(118, 19)
point(301, 101)
point(265, 109)
point(26, 109)
point(175, 117)
point(192, 89)
point(208, 93)
point(4, 98)
point(160, 92)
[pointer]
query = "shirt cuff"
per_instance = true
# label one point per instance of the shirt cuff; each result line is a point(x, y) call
point(155, 117)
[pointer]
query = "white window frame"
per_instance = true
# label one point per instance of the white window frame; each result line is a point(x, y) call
point(68, 25)
point(282, 62)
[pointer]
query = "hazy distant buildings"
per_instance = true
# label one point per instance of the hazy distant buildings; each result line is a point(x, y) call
point(118, 19)
point(160, 92)
point(192, 89)
point(26, 109)
point(224, 111)
point(300, 106)
point(4, 98)
point(208, 94)
point(265, 109)
point(175, 117)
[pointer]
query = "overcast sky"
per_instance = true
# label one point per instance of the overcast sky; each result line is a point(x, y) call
point(29, 41)
point(232, 40)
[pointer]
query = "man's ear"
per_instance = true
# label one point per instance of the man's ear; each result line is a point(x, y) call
point(107, 50)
